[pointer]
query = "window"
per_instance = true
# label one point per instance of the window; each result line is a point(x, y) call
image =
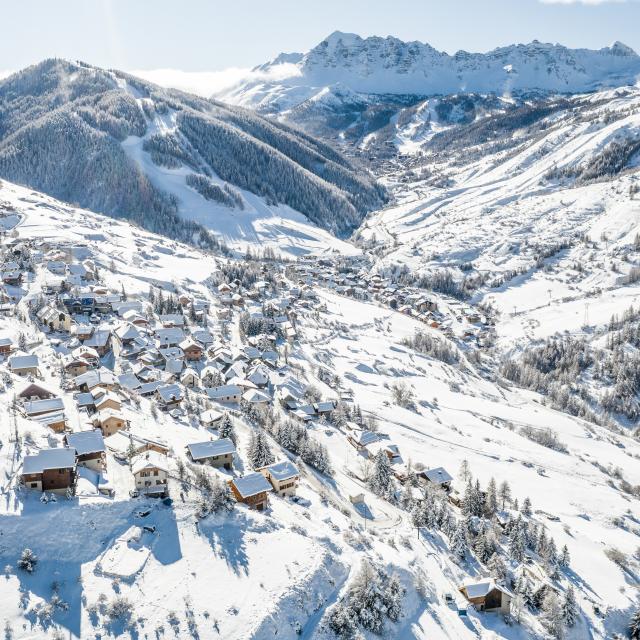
point(34, 485)
point(155, 472)
point(61, 471)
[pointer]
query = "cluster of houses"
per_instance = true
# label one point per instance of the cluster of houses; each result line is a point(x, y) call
point(113, 351)
point(355, 279)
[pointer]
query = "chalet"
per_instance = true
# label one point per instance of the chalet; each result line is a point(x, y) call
point(6, 345)
point(105, 400)
point(210, 417)
point(259, 376)
point(256, 397)
point(54, 319)
point(90, 449)
point(324, 408)
point(13, 277)
point(283, 476)
point(35, 391)
point(169, 337)
point(109, 421)
point(192, 350)
point(216, 453)
point(75, 366)
point(34, 408)
point(169, 396)
point(123, 442)
point(438, 476)
point(190, 378)
point(174, 367)
point(54, 420)
point(362, 439)
point(251, 490)
point(25, 365)
point(151, 472)
point(171, 320)
point(391, 450)
point(95, 378)
point(86, 353)
point(487, 595)
point(100, 341)
point(50, 470)
point(225, 393)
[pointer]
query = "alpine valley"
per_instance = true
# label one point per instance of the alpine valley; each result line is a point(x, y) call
point(349, 350)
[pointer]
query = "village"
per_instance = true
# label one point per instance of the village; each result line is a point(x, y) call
point(226, 394)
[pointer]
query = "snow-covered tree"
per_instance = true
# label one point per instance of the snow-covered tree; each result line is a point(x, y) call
point(491, 501)
point(505, 493)
point(526, 507)
point(371, 598)
point(459, 542)
point(569, 607)
point(28, 561)
point(517, 540)
point(634, 626)
point(226, 430)
point(259, 453)
point(380, 480)
point(552, 615)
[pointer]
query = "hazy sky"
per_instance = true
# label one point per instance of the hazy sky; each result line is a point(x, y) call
point(207, 35)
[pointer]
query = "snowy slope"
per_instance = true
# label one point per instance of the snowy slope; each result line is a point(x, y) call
point(245, 575)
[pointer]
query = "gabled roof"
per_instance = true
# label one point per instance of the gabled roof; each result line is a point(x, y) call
point(283, 470)
point(43, 406)
point(439, 475)
point(23, 362)
point(149, 460)
point(61, 458)
point(483, 588)
point(86, 441)
point(251, 484)
point(201, 450)
point(170, 393)
point(224, 390)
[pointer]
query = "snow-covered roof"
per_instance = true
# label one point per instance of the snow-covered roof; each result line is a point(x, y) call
point(483, 588)
point(149, 460)
point(170, 392)
point(43, 406)
point(201, 450)
point(61, 458)
point(224, 391)
point(210, 415)
point(23, 362)
point(256, 396)
point(251, 484)
point(86, 441)
point(438, 475)
point(283, 470)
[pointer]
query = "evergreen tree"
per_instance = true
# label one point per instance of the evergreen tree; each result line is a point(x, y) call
point(552, 615)
point(226, 430)
point(634, 626)
point(516, 541)
point(497, 567)
point(526, 507)
point(381, 478)
point(259, 451)
point(569, 608)
point(505, 493)
point(565, 558)
point(491, 502)
point(459, 542)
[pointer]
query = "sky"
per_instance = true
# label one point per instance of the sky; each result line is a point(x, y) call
point(213, 43)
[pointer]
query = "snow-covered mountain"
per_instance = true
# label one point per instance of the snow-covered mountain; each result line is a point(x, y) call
point(348, 82)
point(175, 163)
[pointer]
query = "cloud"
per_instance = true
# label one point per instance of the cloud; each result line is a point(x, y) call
point(588, 2)
point(208, 83)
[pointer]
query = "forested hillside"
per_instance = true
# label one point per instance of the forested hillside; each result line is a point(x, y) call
point(72, 130)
